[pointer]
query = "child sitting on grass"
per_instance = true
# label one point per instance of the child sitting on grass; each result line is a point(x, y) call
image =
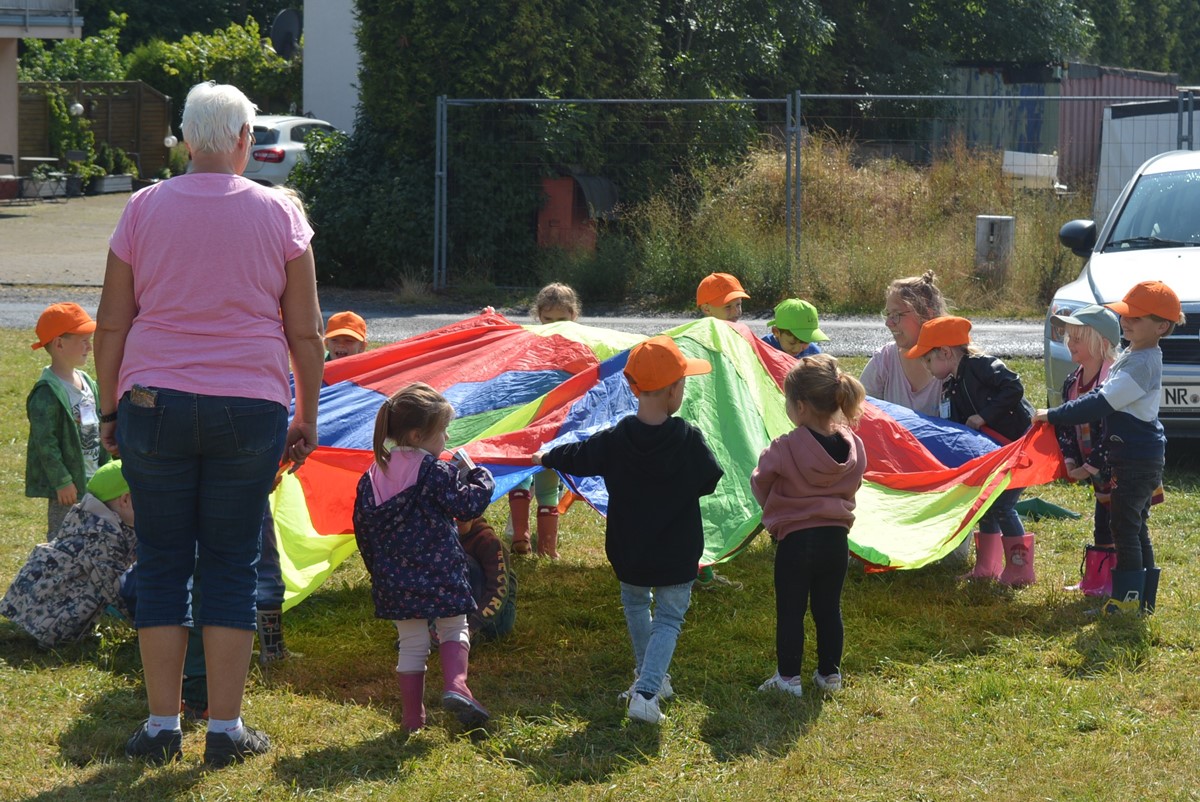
point(66, 584)
point(656, 467)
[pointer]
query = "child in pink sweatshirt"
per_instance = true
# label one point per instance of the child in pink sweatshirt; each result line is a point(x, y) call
point(805, 482)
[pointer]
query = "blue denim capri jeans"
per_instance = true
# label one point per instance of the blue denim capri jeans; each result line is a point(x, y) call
point(199, 469)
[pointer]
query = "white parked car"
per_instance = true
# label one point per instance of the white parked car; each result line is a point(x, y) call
point(1153, 233)
point(279, 145)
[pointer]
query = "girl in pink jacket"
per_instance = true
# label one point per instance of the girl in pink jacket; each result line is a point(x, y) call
point(805, 482)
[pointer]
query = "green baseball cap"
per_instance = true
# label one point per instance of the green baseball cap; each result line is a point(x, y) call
point(800, 318)
point(108, 482)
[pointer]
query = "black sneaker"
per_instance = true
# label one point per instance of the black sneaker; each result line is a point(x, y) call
point(162, 748)
point(220, 750)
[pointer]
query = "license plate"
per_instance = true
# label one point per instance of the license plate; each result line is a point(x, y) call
point(1176, 396)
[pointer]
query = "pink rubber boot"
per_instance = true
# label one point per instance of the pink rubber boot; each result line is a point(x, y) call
point(988, 561)
point(518, 506)
point(412, 700)
point(458, 698)
point(1018, 561)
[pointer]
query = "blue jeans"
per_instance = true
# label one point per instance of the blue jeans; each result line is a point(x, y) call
point(199, 470)
point(654, 635)
point(1002, 515)
point(1129, 511)
point(270, 576)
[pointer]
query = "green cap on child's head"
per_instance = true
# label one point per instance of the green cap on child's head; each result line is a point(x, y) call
point(108, 482)
point(800, 318)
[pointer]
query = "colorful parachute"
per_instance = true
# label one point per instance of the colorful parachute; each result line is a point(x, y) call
point(518, 389)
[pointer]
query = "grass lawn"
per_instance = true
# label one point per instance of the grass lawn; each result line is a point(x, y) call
point(953, 691)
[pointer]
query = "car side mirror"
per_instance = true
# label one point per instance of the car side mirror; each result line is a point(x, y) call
point(1079, 236)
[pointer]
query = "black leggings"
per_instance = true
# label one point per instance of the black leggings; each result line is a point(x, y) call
point(810, 562)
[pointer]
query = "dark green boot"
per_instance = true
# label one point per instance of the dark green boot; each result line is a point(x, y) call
point(1127, 590)
point(1150, 590)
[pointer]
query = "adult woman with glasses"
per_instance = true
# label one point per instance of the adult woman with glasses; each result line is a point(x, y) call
point(888, 375)
point(210, 287)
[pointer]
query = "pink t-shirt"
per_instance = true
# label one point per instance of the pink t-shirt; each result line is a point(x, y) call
point(208, 253)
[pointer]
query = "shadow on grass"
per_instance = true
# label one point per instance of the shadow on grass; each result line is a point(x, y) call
point(389, 757)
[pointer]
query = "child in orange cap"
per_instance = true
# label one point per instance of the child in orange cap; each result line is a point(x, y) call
point(345, 335)
point(1128, 403)
point(720, 295)
point(64, 421)
point(981, 392)
point(656, 467)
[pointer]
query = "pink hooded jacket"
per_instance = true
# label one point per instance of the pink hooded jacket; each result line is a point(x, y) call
point(800, 486)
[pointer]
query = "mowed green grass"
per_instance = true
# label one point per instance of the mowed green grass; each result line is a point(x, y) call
point(953, 691)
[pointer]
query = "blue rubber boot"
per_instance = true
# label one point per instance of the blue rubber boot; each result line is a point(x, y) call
point(1127, 590)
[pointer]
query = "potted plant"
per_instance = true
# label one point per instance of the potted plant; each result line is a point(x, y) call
point(117, 171)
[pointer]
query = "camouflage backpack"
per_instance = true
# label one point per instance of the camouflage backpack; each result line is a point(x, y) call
point(66, 584)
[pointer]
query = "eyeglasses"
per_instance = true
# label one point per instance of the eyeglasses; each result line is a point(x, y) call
point(892, 317)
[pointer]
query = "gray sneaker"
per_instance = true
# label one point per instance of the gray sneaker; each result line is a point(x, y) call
point(162, 748)
point(220, 750)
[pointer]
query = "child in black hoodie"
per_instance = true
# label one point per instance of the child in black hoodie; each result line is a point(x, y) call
point(656, 468)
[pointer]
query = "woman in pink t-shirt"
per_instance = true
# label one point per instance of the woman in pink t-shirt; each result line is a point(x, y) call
point(888, 376)
point(210, 287)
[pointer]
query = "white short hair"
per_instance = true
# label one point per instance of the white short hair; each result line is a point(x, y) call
point(213, 117)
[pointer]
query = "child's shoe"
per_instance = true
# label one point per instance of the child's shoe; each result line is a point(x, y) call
point(643, 709)
point(192, 711)
point(786, 684)
point(830, 683)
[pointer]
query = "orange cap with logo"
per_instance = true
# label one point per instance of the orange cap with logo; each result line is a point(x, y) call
point(347, 324)
point(1149, 298)
point(60, 319)
point(657, 363)
point(719, 289)
point(941, 332)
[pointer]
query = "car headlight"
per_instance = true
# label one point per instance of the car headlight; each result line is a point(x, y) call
point(1055, 331)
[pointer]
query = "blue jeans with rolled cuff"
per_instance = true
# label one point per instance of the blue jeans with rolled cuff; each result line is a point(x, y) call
point(199, 470)
point(1002, 515)
point(654, 634)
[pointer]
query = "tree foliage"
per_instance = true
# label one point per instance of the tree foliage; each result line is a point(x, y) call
point(92, 58)
point(233, 55)
point(169, 22)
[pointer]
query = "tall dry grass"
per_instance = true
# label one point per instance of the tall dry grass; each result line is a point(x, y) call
point(863, 223)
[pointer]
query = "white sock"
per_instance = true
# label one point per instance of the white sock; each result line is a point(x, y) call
point(156, 724)
point(233, 728)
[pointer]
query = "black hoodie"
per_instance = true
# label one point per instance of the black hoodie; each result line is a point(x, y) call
point(655, 476)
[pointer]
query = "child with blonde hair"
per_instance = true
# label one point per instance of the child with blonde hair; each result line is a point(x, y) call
point(555, 303)
point(805, 482)
point(720, 295)
point(64, 417)
point(982, 393)
point(404, 521)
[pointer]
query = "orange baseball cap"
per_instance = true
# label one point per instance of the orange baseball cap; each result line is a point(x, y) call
point(347, 324)
point(60, 319)
point(657, 363)
point(1149, 298)
point(719, 289)
point(940, 332)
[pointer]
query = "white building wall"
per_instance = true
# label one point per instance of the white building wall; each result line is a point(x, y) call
point(330, 61)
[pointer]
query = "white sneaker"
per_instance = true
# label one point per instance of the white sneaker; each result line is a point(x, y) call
point(786, 684)
point(665, 692)
point(643, 709)
point(829, 684)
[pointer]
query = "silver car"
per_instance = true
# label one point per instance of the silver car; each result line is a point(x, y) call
point(1153, 233)
point(279, 145)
